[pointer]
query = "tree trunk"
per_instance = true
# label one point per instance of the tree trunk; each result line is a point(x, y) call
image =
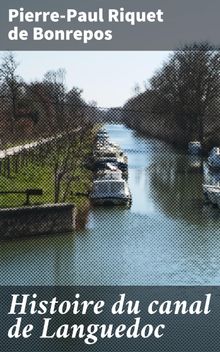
point(8, 167)
point(57, 189)
point(57, 181)
point(201, 129)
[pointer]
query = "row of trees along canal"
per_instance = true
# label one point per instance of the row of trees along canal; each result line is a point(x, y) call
point(181, 101)
point(40, 110)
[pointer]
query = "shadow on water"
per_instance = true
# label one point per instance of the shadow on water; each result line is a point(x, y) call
point(35, 261)
point(176, 188)
point(169, 236)
point(82, 216)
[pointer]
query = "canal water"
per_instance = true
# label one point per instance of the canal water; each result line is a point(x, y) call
point(167, 237)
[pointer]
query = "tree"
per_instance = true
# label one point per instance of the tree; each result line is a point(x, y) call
point(66, 155)
point(187, 84)
point(76, 106)
point(136, 89)
point(11, 80)
point(54, 82)
point(74, 99)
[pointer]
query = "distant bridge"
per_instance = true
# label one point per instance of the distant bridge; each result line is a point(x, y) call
point(111, 114)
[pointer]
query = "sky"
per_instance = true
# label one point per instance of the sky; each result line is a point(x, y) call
point(107, 77)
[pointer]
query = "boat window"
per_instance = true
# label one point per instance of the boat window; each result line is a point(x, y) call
point(117, 187)
point(110, 155)
point(101, 187)
point(109, 187)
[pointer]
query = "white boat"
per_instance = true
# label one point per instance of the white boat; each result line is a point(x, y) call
point(110, 192)
point(102, 132)
point(102, 141)
point(110, 171)
point(110, 152)
point(214, 158)
point(195, 161)
point(218, 199)
point(112, 155)
point(194, 148)
point(109, 174)
point(102, 135)
point(111, 167)
point(212, 193)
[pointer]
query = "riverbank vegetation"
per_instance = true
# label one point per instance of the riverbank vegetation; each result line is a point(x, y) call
point(60, 180)
point(39, 109)
point(181, 101)
point(59, 120)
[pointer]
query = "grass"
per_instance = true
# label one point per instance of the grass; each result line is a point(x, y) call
point(38, 176)
point(38, 173)
point(31, 176)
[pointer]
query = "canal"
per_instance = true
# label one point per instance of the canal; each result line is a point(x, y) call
point(167, 237)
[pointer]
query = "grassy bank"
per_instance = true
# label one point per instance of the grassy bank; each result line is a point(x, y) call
point(37, 171)
point(35, 176)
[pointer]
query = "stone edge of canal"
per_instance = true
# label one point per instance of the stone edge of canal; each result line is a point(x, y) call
point(37, 220)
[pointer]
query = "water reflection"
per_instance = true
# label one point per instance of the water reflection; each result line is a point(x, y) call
point(169, 236)
point(176, 190)
point(35, 261)
point(82, 216)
